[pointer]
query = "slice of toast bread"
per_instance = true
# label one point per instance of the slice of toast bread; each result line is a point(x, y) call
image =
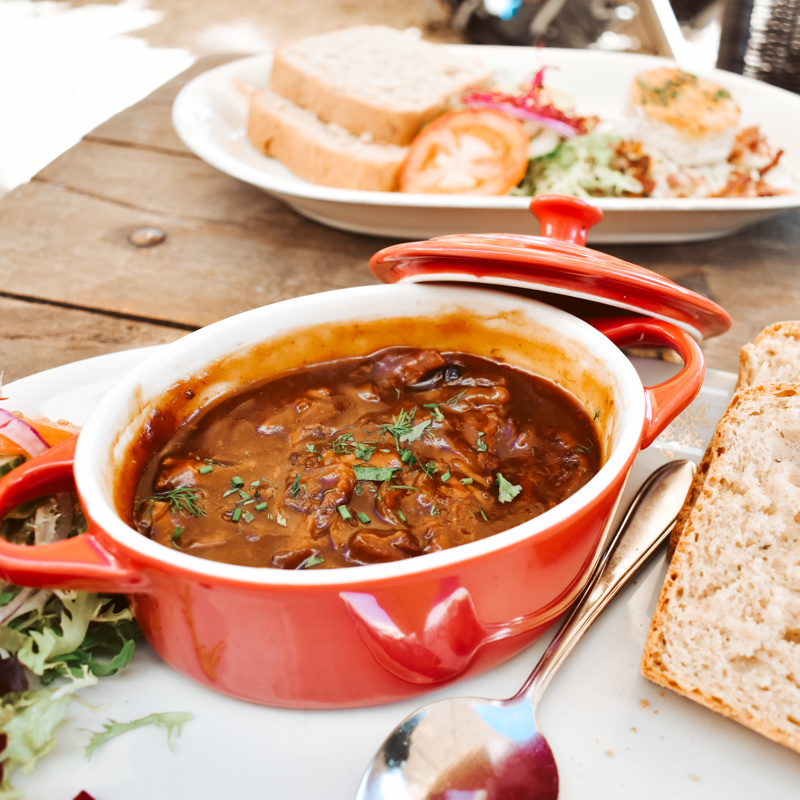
point(319, 152)
point(373, 80)
point(726, 629)
point(772, 357)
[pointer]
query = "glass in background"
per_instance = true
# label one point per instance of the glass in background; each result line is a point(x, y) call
point(761, 39)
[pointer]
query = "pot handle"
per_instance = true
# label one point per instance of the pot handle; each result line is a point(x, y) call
point(564, 218)
point(76, 563)
point(665, 400)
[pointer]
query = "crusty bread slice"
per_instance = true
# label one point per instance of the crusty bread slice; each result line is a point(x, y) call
point(726, 629)
point(373, 80)
point(772, 357)
point(322, 153)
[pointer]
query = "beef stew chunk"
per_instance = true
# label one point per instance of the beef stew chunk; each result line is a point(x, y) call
point(361, 461)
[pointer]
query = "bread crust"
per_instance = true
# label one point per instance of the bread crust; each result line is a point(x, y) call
point(373, 81)
point(723, 633)
point(317, 152)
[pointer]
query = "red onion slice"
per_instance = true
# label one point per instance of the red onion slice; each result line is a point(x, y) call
point(565, 127)
point(22, 434)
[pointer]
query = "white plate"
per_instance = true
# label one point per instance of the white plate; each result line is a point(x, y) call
point(608, 726)
point(210, 115)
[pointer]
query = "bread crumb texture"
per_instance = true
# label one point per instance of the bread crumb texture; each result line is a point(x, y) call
point(726, 631)
point(773, 357)
point(383, 65)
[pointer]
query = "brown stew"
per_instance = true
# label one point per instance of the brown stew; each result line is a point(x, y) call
point(357, 461)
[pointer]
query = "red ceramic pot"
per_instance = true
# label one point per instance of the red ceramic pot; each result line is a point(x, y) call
point(378, 633)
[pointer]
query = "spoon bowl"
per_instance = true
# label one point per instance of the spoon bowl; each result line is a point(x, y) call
point(480, 749)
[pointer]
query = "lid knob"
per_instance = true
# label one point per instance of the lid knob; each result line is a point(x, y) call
point(565, 218)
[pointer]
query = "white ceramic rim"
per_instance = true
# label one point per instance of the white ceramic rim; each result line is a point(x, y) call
point(191, 353)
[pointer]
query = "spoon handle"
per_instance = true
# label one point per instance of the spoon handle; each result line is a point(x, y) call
point(646, 525)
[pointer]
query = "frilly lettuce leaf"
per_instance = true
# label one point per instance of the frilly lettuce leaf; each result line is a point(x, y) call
point(171, 720)
point(27, 728)
point(75, 635)
point(66, 633)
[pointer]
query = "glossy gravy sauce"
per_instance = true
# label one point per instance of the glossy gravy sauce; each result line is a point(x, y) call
point(364, 460)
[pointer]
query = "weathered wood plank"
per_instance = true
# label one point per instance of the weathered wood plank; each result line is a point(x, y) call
point(35, 337)
point(165, 183)
point(72, 247)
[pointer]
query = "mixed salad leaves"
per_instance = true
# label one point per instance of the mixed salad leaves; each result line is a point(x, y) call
point(53, 643)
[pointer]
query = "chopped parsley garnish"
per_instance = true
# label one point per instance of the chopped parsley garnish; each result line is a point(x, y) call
point(506, 491)
point(181, 500)
point(295, 490)
point(417, 431)
point(430, 469)
point(312, 562)
point(365, 473)
point(406, 456)
point(435, 411)
point(341, 443)
point(401, 425)
point(363, 451)
point(455, 398)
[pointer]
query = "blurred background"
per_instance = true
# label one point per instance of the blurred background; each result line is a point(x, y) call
point(67, 66)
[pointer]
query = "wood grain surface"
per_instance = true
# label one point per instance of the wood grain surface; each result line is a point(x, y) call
point(73, 286)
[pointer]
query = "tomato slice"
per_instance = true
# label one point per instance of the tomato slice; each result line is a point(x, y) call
point(469, 151)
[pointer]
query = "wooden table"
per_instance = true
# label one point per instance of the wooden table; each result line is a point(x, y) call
point(74, 286)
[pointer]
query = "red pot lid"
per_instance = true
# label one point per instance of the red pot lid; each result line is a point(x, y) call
point(556, 262)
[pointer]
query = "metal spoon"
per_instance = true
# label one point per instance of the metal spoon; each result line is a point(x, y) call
point(479, 749)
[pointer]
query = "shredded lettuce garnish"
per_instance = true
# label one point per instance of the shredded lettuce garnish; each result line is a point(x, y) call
point(580, 166)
